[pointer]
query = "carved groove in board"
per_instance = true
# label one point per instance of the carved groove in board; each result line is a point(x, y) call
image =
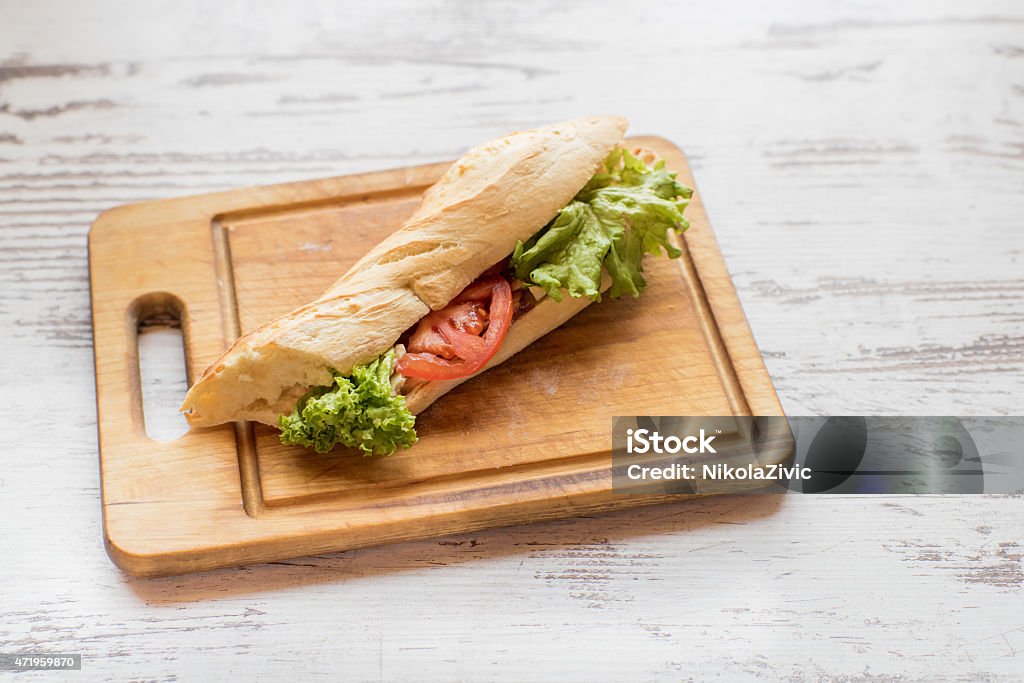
point(333, 202)
point(463, 484)
point(710, 329)
point(594, 477)
point(248, 463)
point(289, 478)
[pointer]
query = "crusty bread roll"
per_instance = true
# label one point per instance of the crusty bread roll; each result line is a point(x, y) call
point(500, 192)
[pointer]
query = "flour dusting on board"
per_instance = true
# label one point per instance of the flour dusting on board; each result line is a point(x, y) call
point(547, 379)
point(611, 378)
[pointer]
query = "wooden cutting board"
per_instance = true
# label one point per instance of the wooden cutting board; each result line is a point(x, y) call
point(526, 441)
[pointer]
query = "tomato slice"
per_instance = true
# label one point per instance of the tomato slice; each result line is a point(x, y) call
point(473, 351)
point(478, 290)
point(466, 345)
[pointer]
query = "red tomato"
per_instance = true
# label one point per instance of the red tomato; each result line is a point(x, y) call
point(472, 351)
point(469, 317)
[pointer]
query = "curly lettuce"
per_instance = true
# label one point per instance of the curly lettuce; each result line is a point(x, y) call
point(359, 411)
point(624, 212)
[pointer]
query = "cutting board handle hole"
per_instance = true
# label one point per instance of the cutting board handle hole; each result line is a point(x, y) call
point(163, 381)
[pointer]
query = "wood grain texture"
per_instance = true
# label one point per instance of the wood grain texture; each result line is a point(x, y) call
point(528, 440)
point(861, 164)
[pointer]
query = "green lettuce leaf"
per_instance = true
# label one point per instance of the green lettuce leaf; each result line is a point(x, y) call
point(624, 212)
point(358, 411)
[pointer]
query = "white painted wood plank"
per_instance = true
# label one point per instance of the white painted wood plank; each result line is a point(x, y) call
point(862, 165)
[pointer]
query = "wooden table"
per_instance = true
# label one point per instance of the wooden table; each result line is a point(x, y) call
point(863, 165)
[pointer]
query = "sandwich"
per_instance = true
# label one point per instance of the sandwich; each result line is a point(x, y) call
point(517, 237)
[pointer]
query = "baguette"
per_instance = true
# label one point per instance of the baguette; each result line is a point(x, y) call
point(499, 193)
